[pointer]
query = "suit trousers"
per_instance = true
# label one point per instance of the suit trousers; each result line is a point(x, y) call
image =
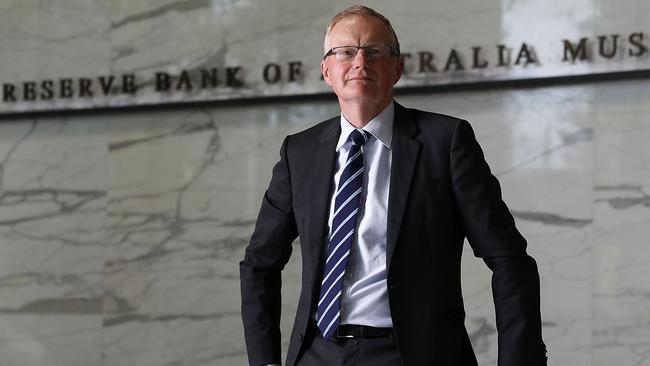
point(348, 352)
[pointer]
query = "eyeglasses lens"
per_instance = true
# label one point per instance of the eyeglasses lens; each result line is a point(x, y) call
point(372, 52)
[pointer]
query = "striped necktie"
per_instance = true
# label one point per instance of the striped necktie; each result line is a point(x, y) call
point(346, 208)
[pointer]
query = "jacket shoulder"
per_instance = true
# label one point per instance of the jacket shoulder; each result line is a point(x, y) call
point(438, 132)
point(431, 120)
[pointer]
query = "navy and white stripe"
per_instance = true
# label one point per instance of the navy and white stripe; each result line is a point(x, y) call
point(346, 209)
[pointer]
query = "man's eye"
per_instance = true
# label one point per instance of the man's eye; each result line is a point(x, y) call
point(372, 51)
point(346, 52)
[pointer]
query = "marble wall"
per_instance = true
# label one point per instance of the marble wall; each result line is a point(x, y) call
point(121, 232)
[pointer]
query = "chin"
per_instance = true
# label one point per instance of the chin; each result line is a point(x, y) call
point(362, 91)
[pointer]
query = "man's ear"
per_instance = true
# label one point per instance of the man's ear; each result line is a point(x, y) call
point(399, 69)
point(325, 70)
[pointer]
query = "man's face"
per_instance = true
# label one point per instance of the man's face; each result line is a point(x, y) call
point(368, 81)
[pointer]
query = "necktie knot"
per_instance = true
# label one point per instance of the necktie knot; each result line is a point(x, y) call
point(359, 137)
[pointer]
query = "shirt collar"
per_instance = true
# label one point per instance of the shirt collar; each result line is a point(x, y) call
point(381, 127)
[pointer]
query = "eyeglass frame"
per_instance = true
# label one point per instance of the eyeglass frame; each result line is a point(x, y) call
point(390, 48)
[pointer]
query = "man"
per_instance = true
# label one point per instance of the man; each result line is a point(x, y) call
point(382, 198)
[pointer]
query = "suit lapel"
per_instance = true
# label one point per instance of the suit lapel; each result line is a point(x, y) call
point(404, 157)
point(320, 186)
point(405, 152)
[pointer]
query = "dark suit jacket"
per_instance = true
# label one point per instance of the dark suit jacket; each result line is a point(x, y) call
point(441, 191)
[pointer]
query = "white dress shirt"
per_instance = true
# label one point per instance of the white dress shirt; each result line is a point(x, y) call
point(364, 299)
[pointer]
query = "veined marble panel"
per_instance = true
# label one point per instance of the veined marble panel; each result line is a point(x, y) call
point(622, 203)
point(52, 241)
point(53, 39)
point(621, 342)
point(46, 339)
point(622, 212)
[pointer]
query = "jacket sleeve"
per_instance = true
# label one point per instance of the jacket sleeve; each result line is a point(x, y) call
point(260, 271)
point(491, 231)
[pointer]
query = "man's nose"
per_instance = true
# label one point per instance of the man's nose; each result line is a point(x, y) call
point(360, 59)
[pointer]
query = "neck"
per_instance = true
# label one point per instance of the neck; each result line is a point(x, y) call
point(360, 113)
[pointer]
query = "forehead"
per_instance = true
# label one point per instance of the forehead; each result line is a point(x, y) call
point(358, 30)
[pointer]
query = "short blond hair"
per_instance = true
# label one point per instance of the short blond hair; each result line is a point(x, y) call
point(360, 10)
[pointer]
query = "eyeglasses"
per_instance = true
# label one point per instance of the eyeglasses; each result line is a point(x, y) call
point(373, 52)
